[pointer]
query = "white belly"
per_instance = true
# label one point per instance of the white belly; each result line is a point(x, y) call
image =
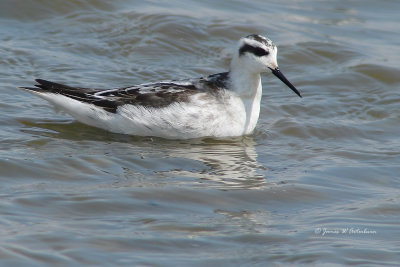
point(202, 116)
point(197, 118)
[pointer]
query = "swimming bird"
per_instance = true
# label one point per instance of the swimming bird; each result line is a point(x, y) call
point(220, 105)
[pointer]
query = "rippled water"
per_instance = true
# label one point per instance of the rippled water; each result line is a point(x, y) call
point(318, 183)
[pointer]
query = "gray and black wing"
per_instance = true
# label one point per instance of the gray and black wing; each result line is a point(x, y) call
point(155, 95)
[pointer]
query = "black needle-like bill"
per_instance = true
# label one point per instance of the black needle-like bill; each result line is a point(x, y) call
point(282, 77)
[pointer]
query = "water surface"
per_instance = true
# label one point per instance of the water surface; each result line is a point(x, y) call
point(317, 183)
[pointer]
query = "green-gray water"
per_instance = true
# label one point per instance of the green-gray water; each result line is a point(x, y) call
point(318, 183)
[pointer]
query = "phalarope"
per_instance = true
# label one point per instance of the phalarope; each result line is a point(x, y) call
point(221, 105)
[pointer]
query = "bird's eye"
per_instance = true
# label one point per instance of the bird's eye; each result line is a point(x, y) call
point(261, 52)
point(257, 51)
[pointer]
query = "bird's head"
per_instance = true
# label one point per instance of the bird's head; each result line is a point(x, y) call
point(257, 54)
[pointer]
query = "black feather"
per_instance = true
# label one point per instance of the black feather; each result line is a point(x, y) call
point(156, 95)
point(258, 51)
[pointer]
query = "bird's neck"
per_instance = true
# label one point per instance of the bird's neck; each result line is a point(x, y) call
point(244, 83)
point(247, 86)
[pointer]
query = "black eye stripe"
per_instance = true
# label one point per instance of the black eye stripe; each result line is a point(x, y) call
point(258, 51)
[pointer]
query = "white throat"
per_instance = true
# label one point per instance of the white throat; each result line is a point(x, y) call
point(247, 86)
point(245, 82)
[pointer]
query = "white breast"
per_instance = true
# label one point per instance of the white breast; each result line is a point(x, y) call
point(201, 116)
